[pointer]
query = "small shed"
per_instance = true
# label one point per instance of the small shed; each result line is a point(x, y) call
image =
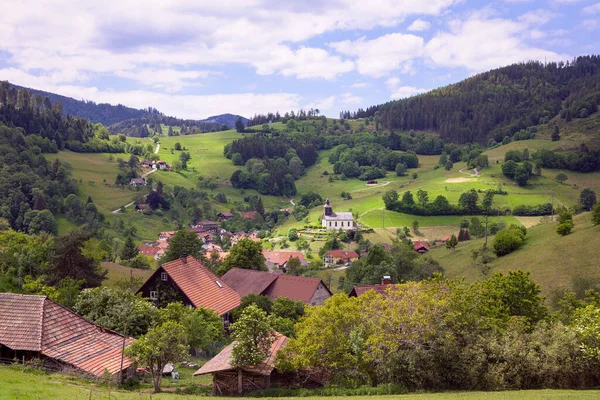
point(228, 380)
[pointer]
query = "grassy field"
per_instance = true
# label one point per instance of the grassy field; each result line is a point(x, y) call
point(119, 273)
point(17, 385)
point(553, 260)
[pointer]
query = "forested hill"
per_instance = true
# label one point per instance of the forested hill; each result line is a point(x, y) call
point(497, 103)
point(130, 120)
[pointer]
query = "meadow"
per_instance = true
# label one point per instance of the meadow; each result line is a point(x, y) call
point(17, 385)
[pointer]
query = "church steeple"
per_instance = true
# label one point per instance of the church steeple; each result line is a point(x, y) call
point(327, 210)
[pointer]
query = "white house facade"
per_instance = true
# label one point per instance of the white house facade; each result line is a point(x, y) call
point(336, 220)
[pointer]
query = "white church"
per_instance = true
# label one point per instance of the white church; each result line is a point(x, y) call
point(339, 220)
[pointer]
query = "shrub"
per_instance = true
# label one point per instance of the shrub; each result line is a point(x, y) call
point(564, 228)
point(508, 240)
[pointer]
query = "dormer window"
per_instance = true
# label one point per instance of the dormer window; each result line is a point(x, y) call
point(164, 276)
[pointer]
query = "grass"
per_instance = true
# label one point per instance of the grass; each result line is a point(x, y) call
point(18, 385)
point(553, 260)
point(119, 273)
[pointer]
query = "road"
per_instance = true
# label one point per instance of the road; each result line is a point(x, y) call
point(292, 201)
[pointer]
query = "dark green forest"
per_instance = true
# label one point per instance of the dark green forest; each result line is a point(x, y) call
point(497, 103)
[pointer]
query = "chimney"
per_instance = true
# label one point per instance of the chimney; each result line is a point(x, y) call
point(386, 280)
point(184, 258)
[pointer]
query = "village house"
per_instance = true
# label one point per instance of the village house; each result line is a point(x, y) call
point(420, 246)
point(36, 327)
point(339, 220)
point(358, 290)
point(162, 165)
point(137, 182)
point(232, 380)
point(142, 207)
point(166, 235)
point(224, 216)
point(148, 251)
point(187, 280)
point(206, 226)
point(279, 259)
point(339, 256)
point(308, 290)
point(249, 215)
point(147, 164)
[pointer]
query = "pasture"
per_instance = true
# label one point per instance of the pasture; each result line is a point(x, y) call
point(27, 385)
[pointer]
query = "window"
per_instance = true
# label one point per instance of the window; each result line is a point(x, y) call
point(336, 224)
point(153, 295)
point(163, 276)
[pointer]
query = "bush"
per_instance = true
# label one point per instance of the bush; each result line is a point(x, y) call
point(508, 240)
point(564, 228)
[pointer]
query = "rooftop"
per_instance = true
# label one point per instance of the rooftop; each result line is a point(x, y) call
point(339, 216)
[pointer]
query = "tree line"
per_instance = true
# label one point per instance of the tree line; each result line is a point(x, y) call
point(497, 103)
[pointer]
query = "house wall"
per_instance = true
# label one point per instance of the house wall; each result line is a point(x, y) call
point(345, 225)
point(320, 295)
point(167, 291)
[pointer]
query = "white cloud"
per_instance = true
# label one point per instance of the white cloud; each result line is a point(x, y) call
point(419, 25)
point(331, 103)
point(593, 9)
point(380, 56)
point(359, 85)
point(480, 44)
point(590, 24)
point(402, 92)
point(169, 80)
point(537, 17)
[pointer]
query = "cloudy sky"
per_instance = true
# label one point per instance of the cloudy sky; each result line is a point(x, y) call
point(196, 58)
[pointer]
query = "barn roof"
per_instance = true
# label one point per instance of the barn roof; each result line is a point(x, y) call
point(200, 285)
point(273, 286)
point(246, 281)
point(36, 323)
point(222, 361)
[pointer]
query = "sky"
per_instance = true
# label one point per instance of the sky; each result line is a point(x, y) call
point(197, 58)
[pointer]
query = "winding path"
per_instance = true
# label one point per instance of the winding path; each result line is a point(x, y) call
point(466, 173)
point(292, 201)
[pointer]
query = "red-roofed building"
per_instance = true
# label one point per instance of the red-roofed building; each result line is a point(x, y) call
point(189, 281)
point(420, 246)
point(249, 215)
point(36, 327)
point(224, 216)
point(339, 256)
point(148, 251)
point(308, 290)
point(206, 226)
point(279, 259)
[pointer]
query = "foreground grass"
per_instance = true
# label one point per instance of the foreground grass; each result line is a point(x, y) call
point(15, 384)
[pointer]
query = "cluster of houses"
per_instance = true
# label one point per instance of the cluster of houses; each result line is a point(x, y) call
point(207, 231)
point(159, 165)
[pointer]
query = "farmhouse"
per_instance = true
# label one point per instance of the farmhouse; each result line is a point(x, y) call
point(224, 216)
point(189, 281)
point(137, 182)
point(206, 226)
point(339, 220)
point(162, 165)
point(279, 259)
point(142, 207)
point(308, 290)
point(339, 256)
point(420, 246)
point(230, 380)
point(147, 164)
point(36, 327)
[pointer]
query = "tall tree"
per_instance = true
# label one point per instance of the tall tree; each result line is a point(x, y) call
point(239, 125)
point(245, 254)
point(253, 337)
point(587, 199)
point(69, 261)
point(183, 242)
point(129, 249)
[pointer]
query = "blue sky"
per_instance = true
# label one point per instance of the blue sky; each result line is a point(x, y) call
point(193, 59)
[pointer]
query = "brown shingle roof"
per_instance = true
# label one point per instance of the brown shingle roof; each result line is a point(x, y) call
point(201, 286)
point(273, 286)
point(281, 257)
point(344, 255)
point(36, 323)
point(361, 289)
point(246, 281)
point(222, 361)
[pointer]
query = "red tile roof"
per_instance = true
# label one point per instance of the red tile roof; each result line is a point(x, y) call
point(249, 215)
point(281, 257)
point(344, 255)
point(273, 286)
point(201, 286)
point(222, 361)
point(247, 281)
point(294, 287)
point(420, 246)
point(36, 323)
point(148, 250)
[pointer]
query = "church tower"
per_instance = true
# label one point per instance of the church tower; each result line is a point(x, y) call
point(327, 210)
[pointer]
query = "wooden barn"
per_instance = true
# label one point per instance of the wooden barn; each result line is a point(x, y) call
point(228, 380)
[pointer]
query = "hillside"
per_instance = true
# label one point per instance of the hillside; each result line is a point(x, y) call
point(119, 117)
point(555, 262)
point(497, 103)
